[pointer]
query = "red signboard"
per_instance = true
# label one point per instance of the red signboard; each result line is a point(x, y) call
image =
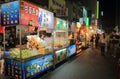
point(1, 27)
point(29, 14)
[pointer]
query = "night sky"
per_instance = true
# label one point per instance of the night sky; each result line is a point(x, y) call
point(108, 8)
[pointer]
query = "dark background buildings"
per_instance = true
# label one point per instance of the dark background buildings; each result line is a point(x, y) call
point(111, 14)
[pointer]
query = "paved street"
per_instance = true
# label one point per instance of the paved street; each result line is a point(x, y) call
point(89, 65)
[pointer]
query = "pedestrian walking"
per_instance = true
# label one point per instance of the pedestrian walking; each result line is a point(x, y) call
point(115, 39)
point(107, 42)
point(102, 44)
point(97, 40)
point(92, 41)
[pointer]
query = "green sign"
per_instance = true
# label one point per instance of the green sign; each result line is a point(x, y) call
point(61, 24)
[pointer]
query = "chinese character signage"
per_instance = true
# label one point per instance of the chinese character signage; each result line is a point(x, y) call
point(60, 24)
point(84, 15)
point(10, 13)
point(29, 14)
point(46, 18)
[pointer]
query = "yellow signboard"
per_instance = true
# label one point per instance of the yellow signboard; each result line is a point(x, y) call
point(56, 4)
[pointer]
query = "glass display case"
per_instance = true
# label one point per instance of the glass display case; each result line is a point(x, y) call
point(60, 40)
point(60, 34)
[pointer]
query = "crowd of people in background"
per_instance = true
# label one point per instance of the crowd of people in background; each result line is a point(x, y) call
point(107, 42)
point(109, 45)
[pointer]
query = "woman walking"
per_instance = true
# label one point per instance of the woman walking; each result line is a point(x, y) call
point(102, 44)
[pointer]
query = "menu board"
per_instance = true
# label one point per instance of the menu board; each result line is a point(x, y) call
point(13, 68)
point(29, 14)
point(46, 18)
point(60, 24)
point(10, 13)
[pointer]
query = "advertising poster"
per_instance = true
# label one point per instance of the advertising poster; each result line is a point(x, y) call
point(46, 19)
point(71, 50)
point(29, 14)
point(60, 24)
point(60, 55)
point(38, 65)
point(10, 13)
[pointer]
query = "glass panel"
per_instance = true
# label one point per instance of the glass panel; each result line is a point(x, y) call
point(27, 42)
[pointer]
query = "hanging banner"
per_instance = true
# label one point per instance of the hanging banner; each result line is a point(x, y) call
point(10, 13)
point(60, 24)
point(46, 19)
point(29, 14)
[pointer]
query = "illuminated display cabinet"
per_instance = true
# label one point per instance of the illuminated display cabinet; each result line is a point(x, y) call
point(32, 27)
point(41, 40)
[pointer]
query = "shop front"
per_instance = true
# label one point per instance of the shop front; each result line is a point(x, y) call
point(30, 51)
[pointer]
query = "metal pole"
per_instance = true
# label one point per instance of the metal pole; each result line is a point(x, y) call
point(20, 51)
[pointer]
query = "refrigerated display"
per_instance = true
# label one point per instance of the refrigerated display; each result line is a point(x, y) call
point(60, 34)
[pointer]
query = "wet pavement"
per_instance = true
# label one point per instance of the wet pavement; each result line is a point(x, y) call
point(89, 65)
